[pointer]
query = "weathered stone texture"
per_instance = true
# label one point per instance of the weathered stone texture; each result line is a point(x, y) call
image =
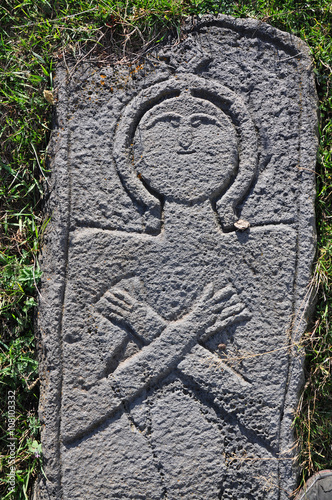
point(177, 269)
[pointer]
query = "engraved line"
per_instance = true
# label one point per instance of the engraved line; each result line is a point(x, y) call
point(288, 58)
point(216, 361)
point(95, 230)
point(148, 436)
point(286, 347)
point(65, 281)
point(294, 288)
point(256, 459)
point(85, 228)
point(222, 414)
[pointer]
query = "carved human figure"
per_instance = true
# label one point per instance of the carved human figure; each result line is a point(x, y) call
point(163, 308)
point(185, 150)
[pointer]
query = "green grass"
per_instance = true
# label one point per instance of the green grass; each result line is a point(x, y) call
point(34, 35)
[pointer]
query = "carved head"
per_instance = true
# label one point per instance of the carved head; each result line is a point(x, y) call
point(186, 139)
point(186, 149)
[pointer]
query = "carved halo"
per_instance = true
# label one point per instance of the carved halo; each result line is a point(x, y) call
point(222, 97)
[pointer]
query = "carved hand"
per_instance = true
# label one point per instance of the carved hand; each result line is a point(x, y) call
point(216, 310)
point(120, 306)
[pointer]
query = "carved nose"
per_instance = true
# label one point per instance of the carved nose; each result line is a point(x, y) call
point(185, 138)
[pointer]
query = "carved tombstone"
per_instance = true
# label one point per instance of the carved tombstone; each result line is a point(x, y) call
point(177, 270)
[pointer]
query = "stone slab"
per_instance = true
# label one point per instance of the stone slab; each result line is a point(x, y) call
point(177, 268)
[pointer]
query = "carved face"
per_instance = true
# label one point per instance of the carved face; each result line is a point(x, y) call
point(186, 149)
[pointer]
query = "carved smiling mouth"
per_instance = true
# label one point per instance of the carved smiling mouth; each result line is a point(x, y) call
point(186, 151)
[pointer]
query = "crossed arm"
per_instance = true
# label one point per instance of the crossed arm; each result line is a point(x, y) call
point(167, 343)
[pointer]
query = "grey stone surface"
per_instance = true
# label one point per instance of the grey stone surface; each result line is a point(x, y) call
point(318, 487)
point(177, 269)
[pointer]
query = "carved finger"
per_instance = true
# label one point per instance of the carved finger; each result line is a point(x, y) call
point(206, 294)
point(119, 303)
point(222, 294)
point(123, 296)
point(244, 315)
point(232, 301)
point(219, 325)
point(117, 312)
point(115, 317)
point(231, 311)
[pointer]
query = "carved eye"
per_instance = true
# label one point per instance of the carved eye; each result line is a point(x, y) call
point(197, 120)
point(172, 118)
point(175, 122)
